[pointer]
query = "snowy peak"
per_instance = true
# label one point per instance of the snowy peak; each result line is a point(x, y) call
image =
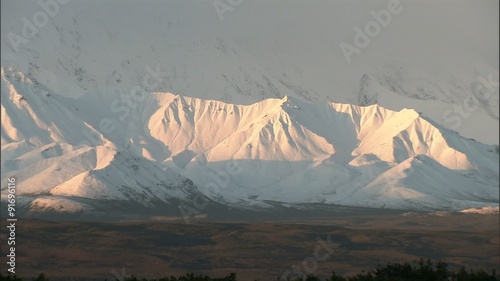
point(409, 181)
point(183, 48)
point(166, 148)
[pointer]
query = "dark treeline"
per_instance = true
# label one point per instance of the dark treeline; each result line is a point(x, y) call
point(421, 271)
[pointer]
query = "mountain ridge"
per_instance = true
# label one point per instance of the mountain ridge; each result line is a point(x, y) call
point(168, 148)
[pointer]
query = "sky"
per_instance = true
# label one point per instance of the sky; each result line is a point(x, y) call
point(427, 30)
point(424, 30)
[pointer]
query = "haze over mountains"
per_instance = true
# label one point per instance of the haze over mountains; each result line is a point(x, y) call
point(165, 102)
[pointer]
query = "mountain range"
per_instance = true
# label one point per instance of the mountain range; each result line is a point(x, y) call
point(170, 149)
point(169, 105)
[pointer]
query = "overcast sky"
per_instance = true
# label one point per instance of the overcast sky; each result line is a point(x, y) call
point(424, 29)
point(428, 30)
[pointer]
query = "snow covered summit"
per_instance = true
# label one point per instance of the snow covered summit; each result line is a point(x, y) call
point(73, 154)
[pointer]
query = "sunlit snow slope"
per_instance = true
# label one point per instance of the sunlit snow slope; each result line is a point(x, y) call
point(290, 49)
point(265, 108)
point(167, 148)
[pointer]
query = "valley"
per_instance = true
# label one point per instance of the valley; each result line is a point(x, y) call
point(265, 249)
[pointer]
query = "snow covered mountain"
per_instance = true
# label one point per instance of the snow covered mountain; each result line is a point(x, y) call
point(170, 149)
point(291, 50)
point(262, 111)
